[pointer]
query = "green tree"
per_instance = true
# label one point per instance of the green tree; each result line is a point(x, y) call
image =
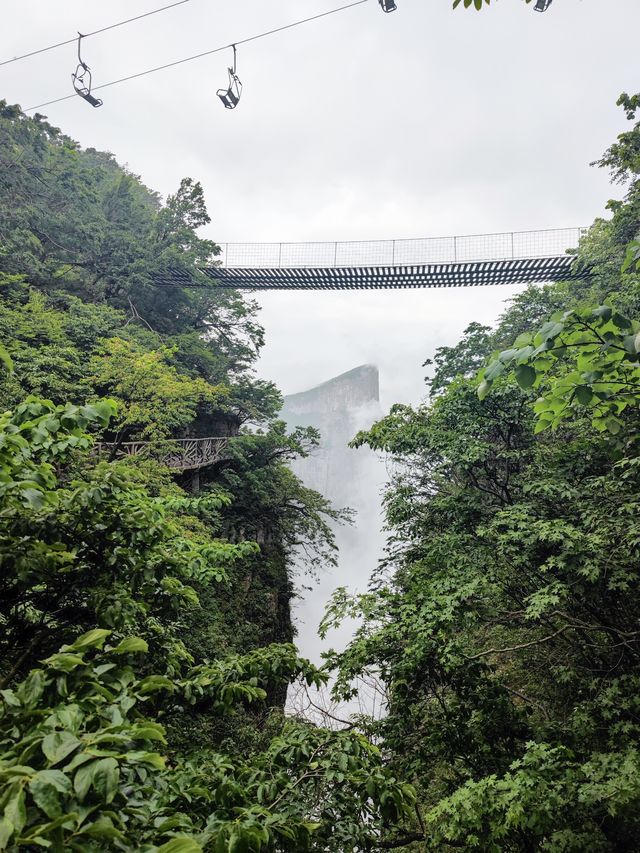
point(502, 622)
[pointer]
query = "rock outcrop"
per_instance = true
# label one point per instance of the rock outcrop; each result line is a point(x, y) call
point(338, 408)
point(349, 478)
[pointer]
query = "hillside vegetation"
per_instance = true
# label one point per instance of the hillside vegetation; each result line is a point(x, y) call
point(504, 621)
point(147, 644)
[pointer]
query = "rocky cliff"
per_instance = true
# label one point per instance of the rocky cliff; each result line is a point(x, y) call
point(339, 408)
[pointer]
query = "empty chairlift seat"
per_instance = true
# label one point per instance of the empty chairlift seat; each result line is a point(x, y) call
point(230, 96)
point(81, 79)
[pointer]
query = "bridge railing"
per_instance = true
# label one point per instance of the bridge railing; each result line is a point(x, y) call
point(508, 245)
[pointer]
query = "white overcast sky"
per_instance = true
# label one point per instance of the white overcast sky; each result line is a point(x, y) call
point(363, 125)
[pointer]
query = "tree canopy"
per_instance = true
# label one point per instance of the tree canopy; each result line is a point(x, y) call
point(502, 623)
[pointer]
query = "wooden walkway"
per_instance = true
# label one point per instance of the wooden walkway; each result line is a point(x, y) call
point(181, 454)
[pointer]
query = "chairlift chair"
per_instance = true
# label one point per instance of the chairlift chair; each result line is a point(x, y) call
point(81, 80)
point(388, 5)
point(230, 96)
point(542, 5)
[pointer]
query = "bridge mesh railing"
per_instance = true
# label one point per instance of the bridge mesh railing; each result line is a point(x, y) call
point(509, 245)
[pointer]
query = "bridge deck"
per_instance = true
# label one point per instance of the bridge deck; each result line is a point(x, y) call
point(521, 271)
point(513, 257)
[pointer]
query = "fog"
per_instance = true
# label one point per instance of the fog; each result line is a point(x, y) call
point(424, 122)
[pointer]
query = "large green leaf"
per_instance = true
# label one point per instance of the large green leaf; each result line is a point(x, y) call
point(59, 745)
point(180, 845)
point(15, 810)
point(105, 778)
point(525, 375)
point(131, 644)
point(46, 787)
point(93, 639)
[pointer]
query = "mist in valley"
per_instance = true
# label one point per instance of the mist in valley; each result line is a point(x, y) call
point(339, 408)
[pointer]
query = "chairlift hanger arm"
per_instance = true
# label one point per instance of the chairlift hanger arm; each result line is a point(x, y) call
point(81, 79)
point(80, 37)
point(230, 96)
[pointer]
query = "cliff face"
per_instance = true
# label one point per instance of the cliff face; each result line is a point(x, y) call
point(338, 409)
point(355, 388)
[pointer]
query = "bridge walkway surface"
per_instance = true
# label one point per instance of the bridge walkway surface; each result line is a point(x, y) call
point(512, 257)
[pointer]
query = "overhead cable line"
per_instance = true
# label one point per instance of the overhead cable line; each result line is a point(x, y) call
point(94, 33)
point(205, 53)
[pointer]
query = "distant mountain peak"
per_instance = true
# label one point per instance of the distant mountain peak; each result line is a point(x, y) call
point(357, 387)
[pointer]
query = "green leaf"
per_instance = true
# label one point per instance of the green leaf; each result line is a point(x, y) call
point(6, 831)
point(9, 698)
point(102, 828)
point(82, 780)
point(59, 745)
point(152, 758)
point(64, 661)
point(32, 688)
point(541, 426)
point(46, 787)
point(495, 369)
point(483, 389)
point(33, 497)
point(6, 360)
point(613, 425)
point(155, 682)
point(621, 321)
point(525, 375)
point(237, 843)
point(94, 639)
point(131, 644)
point(584, 395)
point(604, 312)
point(551, 330)
point(523, 340)
point(180, 845)
point(106, 775)
point(15, 811)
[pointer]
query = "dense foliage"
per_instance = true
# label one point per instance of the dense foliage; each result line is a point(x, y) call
point(145, 650)
point(503, 623)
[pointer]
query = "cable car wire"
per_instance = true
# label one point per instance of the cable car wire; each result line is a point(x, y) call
point(205, 53)
point(94, 33)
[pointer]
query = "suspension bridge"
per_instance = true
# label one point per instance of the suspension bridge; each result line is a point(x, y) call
point(511, 257)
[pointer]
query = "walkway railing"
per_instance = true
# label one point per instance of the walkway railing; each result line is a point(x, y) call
point(508, 245)
point(180, 454)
